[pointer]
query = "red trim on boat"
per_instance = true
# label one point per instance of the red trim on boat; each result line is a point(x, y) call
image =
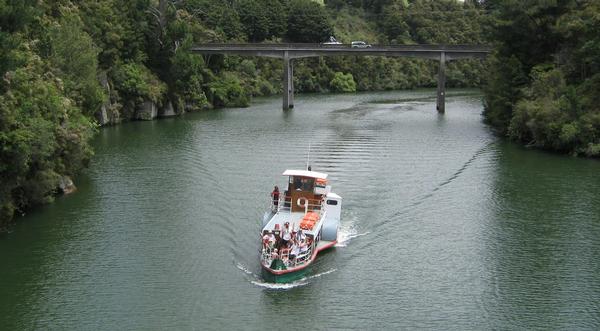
point(304, 265)
point(327, 246)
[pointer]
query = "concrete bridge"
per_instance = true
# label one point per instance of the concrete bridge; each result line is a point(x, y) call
point(288, 52)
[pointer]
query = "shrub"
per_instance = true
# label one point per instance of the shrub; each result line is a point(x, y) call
point(343, 83)
point(136, 83)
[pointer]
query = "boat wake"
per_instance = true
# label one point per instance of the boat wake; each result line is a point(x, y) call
point(348, 232)
point(243, 268)
point(280, 286)
point(418, 200)
point(258, 281)
point(287, 286)
point(344, 238)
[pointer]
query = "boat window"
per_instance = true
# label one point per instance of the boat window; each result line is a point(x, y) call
point(304, 184)
point(332, 202)
point(297, 183)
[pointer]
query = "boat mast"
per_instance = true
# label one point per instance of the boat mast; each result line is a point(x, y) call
point(308, 158)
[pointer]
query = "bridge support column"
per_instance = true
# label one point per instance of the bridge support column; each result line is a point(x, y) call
point(441, 85)
point(288, 82)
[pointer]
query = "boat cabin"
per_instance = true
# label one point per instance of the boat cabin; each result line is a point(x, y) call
point(305, 190)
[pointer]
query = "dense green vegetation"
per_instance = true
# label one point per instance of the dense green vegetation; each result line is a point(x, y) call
point(544, 78)
point(69, 66)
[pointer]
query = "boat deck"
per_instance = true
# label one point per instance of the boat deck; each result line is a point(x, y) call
point(294, 218)
point(304, 259)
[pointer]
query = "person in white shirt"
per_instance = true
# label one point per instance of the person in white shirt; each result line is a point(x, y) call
point(286, 234)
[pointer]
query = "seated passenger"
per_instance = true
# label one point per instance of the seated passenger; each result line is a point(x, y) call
point(304, 246)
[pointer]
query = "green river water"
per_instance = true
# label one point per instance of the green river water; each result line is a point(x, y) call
point(444, 226)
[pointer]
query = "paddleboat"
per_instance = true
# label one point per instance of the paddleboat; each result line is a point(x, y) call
point(303, 220)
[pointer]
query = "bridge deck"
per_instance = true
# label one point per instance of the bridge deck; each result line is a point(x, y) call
point(312, 50)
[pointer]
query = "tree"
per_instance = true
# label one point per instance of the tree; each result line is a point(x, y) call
point(277, 18)
point(217, 15)
point(43, 135)
point(308, 22)
point(254, 20)
point(526, 29)
point(542, 88)
point(502, 90)
point(74, 57)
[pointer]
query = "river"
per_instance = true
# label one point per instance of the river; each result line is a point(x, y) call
point(443, 226)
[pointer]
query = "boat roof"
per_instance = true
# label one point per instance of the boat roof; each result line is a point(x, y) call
point(333, 196)
point(305, 173)
point(294, 218)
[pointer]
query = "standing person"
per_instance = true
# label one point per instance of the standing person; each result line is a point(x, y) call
point(275, 196)
point(286, 233)
point(269, 240)
point(294, 252)
point(300, 236)
point(265, 240)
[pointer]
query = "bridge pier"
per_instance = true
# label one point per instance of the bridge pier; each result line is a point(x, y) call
point(288, 82)
point(441, 85)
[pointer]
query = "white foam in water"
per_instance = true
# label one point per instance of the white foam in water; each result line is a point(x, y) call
point(280, 286)
point(287, 286)
point(343, 242)
point(347, 232)
point(244, 269)
point(322, 274)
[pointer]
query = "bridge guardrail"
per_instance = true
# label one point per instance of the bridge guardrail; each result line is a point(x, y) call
point(393, 47)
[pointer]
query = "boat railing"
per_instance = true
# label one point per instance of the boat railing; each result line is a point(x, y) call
point(285, 203)
point(284, 255)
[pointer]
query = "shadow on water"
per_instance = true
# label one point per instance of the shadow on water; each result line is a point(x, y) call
point(288, 115)
point(427, 98)
point(543, 253)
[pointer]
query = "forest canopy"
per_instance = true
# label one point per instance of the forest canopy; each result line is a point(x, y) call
point(543, 88)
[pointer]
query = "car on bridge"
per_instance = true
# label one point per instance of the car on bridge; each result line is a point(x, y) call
point(360, 44)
